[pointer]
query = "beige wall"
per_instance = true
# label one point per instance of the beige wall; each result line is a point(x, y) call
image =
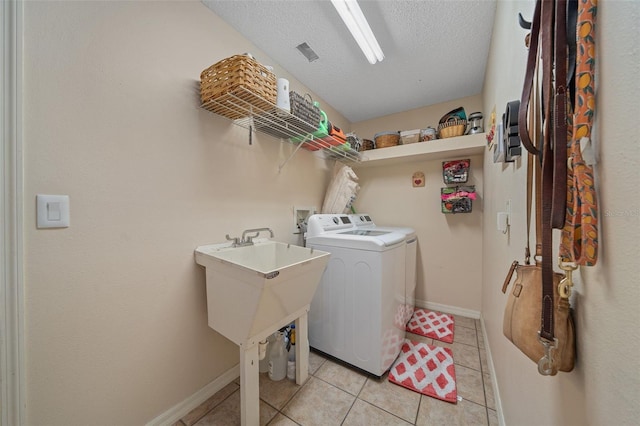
point(604, 387)
point(449, 246)
point(116, 328)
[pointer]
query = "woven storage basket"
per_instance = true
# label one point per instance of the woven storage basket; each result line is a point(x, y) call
point(387, 139)
point(238, 87)
point(305, 111)
point(452, 128)
point(366, 144)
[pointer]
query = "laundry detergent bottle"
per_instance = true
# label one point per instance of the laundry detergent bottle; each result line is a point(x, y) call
point(278, 357)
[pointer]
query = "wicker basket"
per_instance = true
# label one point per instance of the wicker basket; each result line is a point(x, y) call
point(387, 139)
point(452, 128)
point(366, 144)
point(238, 87)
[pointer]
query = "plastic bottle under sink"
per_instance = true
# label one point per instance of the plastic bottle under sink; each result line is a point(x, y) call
point(278, 357)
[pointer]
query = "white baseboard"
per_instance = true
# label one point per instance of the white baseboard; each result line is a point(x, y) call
point(492, 372)
point(183, 408)
point(448, 309)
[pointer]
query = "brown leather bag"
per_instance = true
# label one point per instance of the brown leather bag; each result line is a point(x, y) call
point(523, 312)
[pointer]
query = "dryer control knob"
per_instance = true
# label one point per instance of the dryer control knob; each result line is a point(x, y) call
point(336, 220)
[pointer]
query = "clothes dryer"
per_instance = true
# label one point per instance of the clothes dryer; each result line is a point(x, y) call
point(353, 313)
point(408, 305)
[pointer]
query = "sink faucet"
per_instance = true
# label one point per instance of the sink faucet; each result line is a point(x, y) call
point(236, 240)
point(248, 240)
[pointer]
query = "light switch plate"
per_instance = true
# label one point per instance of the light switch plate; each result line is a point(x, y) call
point(504, 219)
point(52, 211)
point(503, 222)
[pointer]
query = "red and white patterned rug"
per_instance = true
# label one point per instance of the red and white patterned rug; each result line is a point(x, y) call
point(426, 369)
point(434, 325)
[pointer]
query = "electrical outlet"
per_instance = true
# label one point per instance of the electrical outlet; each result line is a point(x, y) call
point(300, 216)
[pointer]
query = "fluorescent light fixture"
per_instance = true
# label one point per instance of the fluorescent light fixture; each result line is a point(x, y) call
point(353, 18)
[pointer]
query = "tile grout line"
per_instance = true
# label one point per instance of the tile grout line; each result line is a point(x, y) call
point(484, 387)
point(415, 420)
point(214, 407)
point(293, 396)
point(280, 411)
point(378, 407)
point(354, 401)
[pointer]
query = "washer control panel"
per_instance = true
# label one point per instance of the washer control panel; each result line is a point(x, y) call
point(321, 223)
point(361, 220)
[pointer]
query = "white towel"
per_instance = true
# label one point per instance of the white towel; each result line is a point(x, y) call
point(342, 191)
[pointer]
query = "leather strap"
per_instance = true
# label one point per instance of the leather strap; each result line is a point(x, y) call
point(530, 164)
point(559, 144)
point(507, 280)
point(534, 173)
point(528, 82)
point(547, 28)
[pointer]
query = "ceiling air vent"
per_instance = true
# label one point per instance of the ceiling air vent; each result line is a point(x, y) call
point(307, 52)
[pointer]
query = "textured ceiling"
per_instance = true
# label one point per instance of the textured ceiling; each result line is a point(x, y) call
point(435, 50)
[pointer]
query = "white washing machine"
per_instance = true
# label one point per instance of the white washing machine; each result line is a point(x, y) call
point(364, 221)
point(353, 315)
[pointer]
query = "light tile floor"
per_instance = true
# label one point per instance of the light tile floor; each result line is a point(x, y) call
point(337, 394)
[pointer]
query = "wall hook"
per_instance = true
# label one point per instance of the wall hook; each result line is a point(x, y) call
point(524, 23)
point(527, 26)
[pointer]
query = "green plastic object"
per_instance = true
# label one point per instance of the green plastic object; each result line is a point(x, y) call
point(323, 127)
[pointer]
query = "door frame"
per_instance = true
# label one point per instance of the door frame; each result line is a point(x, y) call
point(12, 354)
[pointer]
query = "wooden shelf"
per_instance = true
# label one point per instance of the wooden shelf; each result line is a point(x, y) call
point(439, 149)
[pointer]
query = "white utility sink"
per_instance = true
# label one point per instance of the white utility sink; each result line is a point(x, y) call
point(254, 290)
point(251, 289)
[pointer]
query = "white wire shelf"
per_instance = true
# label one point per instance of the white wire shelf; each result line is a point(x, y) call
point(269, 119)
